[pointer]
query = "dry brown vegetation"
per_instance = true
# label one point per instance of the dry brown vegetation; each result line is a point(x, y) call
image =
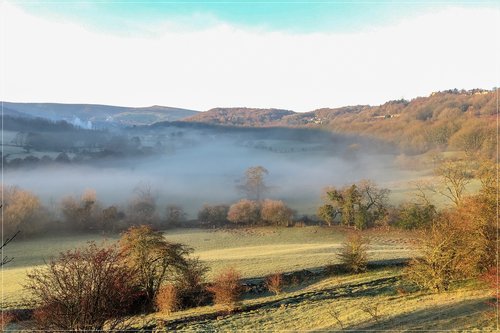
point(462, 241)
point(167, 300)
point(274, 283)
point(226, 288)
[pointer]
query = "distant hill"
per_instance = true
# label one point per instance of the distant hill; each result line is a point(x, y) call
point(462, 120)
point(248, 117)
point(99, 115)
point(13, 113)
point(452, 120)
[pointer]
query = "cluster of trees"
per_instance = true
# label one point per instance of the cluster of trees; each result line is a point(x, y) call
point(361, 205)
point(248, 212)
point(97, 287)
point(364, 204)
point(251, 211)
point(455, 243)
point(240, 116)
point(24, 211)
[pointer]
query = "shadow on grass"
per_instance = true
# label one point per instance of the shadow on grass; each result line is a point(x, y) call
point(373, 287)
point(458, 316)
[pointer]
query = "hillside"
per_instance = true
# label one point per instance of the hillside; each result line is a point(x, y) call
point(447, 120)
point(248, 117)
point(99, 115)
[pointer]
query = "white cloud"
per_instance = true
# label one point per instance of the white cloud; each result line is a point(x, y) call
point(226, 66)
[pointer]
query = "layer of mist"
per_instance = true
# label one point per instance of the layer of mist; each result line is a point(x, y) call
point(206, 165)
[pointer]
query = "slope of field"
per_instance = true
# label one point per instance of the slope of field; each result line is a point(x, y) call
point(255, 252)
point(375, 300)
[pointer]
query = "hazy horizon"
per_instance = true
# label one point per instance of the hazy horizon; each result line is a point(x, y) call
point(221, 107)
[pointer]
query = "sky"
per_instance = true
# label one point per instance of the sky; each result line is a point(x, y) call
point(292, 55)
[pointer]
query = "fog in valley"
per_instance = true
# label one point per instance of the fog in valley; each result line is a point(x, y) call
point(194, 166)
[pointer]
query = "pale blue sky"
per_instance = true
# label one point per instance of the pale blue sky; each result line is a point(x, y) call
point(127, 16)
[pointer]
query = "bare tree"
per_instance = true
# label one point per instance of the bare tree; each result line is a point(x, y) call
point(142, 209)
point(5, 260)
point(454, 176)
point(254, 186)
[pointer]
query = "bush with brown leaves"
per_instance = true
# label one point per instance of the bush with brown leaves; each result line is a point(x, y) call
point(226, 288)
point(274, 283)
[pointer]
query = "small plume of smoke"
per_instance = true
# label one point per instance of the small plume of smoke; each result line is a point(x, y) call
point(81, 124)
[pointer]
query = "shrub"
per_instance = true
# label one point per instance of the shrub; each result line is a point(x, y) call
point(461, 243)
point(274, 283)
point(167, 300)
point(244, 211)
point(83, 289)
point(276, 212)
point(155, 260)
point(226, 288)
point(353, 255)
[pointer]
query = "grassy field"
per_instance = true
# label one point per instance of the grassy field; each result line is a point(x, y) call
point(255, 252)
point(370, 301)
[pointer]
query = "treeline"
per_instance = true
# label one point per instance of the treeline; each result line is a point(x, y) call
point(24, 211)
